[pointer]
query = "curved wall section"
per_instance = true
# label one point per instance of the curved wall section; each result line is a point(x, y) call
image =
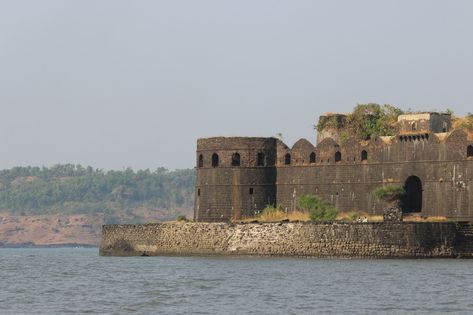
point(229, 189)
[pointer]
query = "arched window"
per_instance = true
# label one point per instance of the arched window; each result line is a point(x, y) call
point(469, 151)
point(260, 159)
point(312, 158)
point(414, 126)
point(201, 160)
point(287, 159)
point(236, 159)
point(215, 160)
point(364, 155)
point(338, 156)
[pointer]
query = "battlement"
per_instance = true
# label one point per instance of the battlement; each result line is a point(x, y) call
point(238, 177)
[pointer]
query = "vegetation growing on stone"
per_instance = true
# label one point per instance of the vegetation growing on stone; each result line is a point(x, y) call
point(181, 218)
point(352, 215)
point(389, 193)
point(318, 210)
point(332, 121)
point(366, 121)
point(465, 123)
point(273, 213)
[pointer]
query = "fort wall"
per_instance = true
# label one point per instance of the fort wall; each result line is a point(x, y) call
point(343, 240)
point(438, 166)
point(236, 177)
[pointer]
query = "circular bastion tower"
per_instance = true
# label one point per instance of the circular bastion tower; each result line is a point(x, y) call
point(235, 177)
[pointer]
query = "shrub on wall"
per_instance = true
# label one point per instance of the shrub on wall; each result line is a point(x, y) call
point(389, 193)
point(182, 218)
point(365, 121)
point(318, 210)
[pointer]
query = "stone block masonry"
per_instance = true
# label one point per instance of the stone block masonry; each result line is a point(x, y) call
point(237, 177)
point(324, 240)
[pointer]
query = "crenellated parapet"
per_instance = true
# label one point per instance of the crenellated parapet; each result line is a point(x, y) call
point(238, 177)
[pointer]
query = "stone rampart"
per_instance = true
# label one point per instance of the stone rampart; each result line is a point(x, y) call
point(343, 240)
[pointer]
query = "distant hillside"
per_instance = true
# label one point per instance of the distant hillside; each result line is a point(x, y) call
point(117, 196)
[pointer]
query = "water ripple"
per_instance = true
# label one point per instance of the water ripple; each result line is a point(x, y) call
point(62, 281)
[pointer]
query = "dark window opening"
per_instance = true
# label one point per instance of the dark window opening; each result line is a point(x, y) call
point(260, 159)
point(338, 156)
point(364, 155)
point(236, 159)
point(201, 160)
point(414, 126)
point(287, 159)
point(198, 192)
point(215, 160)
point(427, 136)
point(469, 151)
point(252, 191)
point(412, 201)
point(312, 158)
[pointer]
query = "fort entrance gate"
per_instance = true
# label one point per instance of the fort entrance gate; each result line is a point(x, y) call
point(413, 199)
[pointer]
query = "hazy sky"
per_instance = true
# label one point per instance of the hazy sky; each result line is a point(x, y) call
point(114, 83)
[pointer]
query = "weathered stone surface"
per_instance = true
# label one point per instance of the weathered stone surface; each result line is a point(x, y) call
point(344, 240)
point(392, 214)
point(440, 161)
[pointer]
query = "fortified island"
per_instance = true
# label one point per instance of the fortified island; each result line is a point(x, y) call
point(237, 177)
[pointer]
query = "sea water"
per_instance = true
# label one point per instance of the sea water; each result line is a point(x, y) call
point(79, 281)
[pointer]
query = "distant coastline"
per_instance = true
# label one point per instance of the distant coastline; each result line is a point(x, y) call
point(30, 245)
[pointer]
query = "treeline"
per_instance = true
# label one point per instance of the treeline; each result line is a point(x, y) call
point(73, 189)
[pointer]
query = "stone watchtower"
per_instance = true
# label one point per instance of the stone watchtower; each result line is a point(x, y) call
point(235, 177)
point(329, 126)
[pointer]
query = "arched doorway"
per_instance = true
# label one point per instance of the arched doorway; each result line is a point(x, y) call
point(412, 201)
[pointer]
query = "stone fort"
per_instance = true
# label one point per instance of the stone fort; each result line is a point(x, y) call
point(237, 177)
